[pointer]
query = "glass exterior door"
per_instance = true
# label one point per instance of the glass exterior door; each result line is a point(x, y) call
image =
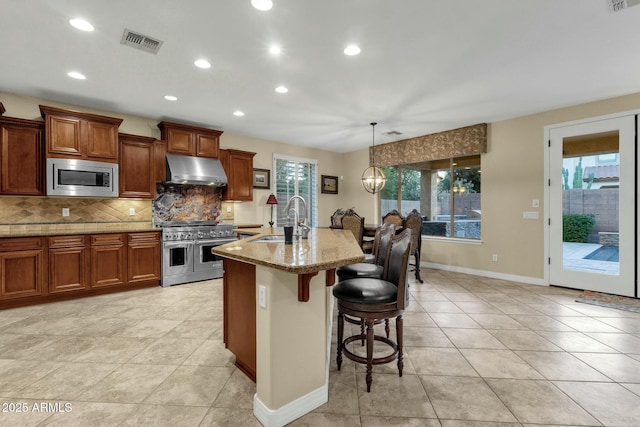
point(592, 206)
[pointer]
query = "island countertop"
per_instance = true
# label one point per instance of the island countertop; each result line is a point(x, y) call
point(325, 249)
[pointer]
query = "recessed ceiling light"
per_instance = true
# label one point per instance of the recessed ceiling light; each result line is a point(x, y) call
point(262, 4)
point(275, 50)
point(81, 24)
point(202, 63)
point(76, 75)
point(282, 89)
point(170, 98)
point(351, 50)
point(238, 113)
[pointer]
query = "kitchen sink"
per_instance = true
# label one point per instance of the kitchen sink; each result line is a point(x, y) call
point(270, 239)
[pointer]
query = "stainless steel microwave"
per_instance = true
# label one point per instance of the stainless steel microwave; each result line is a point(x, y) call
point(71, 177)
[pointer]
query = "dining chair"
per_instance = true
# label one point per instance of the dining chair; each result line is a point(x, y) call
point(413, 221)
point(394, 217)
point(355, 223)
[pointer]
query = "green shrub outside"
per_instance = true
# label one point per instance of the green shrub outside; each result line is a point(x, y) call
point(576, 227)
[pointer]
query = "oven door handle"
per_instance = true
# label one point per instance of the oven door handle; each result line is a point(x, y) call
point(217, 242)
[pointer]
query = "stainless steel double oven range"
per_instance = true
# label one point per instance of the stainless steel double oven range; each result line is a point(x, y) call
point(186, 251)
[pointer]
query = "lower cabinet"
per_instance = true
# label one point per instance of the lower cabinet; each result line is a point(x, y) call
point(143, 257)
point(41, 269)
point(108, 260)
point(68, 263)
point(21, 267)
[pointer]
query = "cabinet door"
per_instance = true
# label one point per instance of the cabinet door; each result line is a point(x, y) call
point(68, 269)
point(101, 141)
point(240, 176)
point(63, 135)
point(180, 141)
point(68, 263)
point(21, 154)
point(108, 265)
point(143, 257)
point(160, 153)
point(137, 168)
point(144, 262)
point(207, 145)
point(21, 274)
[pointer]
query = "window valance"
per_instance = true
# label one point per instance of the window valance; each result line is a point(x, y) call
point(463, 141)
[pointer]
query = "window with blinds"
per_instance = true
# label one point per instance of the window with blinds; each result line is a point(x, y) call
point(295, 177)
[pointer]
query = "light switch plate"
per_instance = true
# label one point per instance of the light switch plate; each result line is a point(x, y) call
point(132, 211)
point(262, 296)
point(535, 203)
point(65, 211)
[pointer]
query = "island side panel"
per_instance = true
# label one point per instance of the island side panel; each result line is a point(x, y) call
point(291, 339)
point(240, 314)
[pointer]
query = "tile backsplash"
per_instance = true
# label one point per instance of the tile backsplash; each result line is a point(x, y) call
point(48, 210)
point(187, 203)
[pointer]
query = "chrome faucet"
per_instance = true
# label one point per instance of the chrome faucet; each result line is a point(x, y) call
point(298, 224)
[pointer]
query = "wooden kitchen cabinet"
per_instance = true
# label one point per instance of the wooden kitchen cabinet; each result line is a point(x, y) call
point(108, 260)
point(239, 316)
point(68, 263)
point(21, 267)
point(143, 257)
point(21, 157)
point(160, 153)
point(137, 166)
point(238, 165)
point(190, 140)
point(72, 134)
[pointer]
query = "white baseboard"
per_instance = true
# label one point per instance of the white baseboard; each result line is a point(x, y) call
point(484, 273)
point(291, 411)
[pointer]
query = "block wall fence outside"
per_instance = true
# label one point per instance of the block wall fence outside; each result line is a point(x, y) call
point(603, 203)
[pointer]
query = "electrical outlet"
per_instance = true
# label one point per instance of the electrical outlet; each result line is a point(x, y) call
point(494, 257)
point(65, 211)
point(228, 209)
point(132, 211)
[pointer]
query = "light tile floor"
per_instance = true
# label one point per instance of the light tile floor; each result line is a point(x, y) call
point(478, 352)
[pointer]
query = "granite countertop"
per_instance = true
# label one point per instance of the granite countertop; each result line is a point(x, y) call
point(323, 250)
point(34, 230)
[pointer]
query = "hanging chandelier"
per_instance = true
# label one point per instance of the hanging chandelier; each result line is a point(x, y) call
point(373, 179)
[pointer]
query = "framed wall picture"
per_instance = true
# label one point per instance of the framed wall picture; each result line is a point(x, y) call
point(329, 184)
point(262, 178)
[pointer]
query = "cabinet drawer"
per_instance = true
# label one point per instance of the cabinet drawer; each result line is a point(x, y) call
point(153, 236)
point(20, 243)
point(67, 241)
point(107, 239)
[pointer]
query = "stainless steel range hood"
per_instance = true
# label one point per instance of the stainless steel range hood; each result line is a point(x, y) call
point(195, 170)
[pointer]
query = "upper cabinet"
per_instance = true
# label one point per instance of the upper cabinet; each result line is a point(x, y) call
point(21, 156)
point(72, 134)
point(137, 166)
point(190, 140)
point(238, 165)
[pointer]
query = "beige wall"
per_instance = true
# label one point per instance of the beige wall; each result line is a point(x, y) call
point(512, 176)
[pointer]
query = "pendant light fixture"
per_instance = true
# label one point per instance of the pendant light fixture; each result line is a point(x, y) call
point(373, 179)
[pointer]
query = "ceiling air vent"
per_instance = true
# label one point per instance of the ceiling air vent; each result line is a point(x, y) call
point(618, 5)
point(140, 41)
point(393, 133)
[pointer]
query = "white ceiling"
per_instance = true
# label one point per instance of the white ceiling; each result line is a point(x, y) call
point(425, 66)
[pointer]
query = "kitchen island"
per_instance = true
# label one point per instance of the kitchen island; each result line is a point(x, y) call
point(277, 315)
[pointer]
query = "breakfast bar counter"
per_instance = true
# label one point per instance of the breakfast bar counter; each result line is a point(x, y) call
point(277, 315)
